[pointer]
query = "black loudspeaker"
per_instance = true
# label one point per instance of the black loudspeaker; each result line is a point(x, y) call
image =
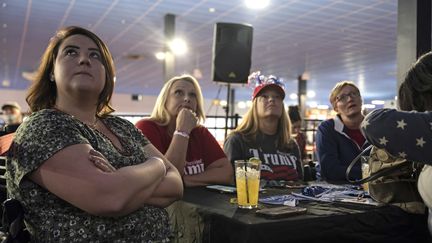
point(232, 49)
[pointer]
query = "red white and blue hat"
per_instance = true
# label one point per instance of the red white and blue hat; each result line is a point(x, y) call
point(258, 82)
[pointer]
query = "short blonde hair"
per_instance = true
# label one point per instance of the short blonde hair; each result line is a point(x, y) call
point(160, 113)
point(337, 89)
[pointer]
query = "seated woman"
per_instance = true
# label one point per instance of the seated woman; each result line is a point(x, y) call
point(340, 140)
point(174, 129)
point(296, 124)
point(406, 134)
point(81, 174)
point(265, 132)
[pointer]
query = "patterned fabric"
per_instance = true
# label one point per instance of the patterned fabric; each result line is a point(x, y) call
point(277, 163)
point(49, 218)
point(403, 134)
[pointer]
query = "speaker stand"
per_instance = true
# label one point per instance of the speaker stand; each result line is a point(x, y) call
point(227, 108)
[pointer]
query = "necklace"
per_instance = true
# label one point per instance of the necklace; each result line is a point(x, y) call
point(93, 125)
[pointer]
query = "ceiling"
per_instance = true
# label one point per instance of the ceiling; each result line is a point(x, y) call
point(331, 40)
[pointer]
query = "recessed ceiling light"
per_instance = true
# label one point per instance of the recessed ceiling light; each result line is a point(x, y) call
point(212, 10)
point(293, 96)
point(4, 26)
point(4, 5)
point(123, 21)
point(178, 46)
point(311, 94)
point(6, 83)
point(160, 55)
point(257, 4)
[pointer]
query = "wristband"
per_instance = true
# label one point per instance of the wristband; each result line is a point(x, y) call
point(163, 163)
point(181, 133)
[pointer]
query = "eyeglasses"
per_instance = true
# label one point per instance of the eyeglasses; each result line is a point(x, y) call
point(344, 97)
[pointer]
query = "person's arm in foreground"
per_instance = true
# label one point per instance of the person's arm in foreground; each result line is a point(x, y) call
point(71, 175)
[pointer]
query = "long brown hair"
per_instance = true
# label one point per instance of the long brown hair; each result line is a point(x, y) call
point(42, 94)
point(415, 93)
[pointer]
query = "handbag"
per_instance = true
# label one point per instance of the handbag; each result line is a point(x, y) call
point(391, 180)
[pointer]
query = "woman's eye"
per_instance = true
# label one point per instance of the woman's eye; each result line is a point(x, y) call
point(178, 92)
point(70, 52)
point(95, 55)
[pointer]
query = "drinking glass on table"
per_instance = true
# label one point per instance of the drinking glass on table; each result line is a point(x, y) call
point(247, 182)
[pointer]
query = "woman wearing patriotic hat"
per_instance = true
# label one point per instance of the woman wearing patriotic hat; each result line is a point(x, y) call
point(265, 132)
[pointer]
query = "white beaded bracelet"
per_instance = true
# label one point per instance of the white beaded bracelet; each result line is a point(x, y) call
point(161, 160)
point(181, 133)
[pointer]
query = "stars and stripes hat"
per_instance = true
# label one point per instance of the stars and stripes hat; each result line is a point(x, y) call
point(258, 82)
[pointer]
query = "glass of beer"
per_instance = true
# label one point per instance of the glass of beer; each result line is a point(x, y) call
point(247, 182)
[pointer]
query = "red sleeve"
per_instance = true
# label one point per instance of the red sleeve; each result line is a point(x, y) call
point(211, 151)
point(153, 132)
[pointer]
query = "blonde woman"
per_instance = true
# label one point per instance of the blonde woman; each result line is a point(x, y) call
point(265, 132)
point(174, 128)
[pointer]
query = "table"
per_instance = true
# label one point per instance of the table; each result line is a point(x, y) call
point(324, 222)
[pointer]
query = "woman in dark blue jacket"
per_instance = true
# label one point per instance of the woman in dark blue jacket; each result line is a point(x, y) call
point(339, 140)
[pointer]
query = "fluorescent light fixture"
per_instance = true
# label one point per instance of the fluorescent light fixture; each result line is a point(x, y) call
point(257, 4)
point(368, 106)
point(241, 104)
point(223, 103)
point(178, 46)
point(293, 96)
point(322, 107)
point(378, 102)
point(311, 94)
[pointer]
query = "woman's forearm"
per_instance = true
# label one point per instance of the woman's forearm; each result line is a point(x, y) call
point(177, 151)
point(217, 174)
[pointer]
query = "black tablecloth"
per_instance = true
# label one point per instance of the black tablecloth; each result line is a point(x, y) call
point(324, 222)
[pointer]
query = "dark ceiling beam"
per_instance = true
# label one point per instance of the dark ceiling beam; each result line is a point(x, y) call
point(169, 61)
point(413, 34)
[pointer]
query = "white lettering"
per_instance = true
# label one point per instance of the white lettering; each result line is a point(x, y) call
point(254, 152)
point(194, 167)
point(275, 159)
